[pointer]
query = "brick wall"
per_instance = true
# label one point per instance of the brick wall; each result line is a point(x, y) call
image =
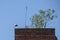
point(35, 34)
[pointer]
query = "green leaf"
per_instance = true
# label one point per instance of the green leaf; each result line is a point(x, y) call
point(42, 11)
point(53, 11)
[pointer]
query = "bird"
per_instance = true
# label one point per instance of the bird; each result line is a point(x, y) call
point(15, 25)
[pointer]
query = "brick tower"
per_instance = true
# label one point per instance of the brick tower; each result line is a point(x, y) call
point(35, 34)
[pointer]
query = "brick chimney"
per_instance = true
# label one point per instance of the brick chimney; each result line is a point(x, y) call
point(35, 34)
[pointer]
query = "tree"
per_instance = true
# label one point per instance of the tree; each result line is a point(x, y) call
point(40, 20)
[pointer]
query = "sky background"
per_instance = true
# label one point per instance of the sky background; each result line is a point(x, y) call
point(13, 11)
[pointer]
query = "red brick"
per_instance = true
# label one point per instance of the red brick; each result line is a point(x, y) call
point(35, 34)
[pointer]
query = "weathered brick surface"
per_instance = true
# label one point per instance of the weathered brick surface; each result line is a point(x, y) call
point(35, 34)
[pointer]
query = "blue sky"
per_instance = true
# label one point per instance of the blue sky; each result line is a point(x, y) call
point(13, 11)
